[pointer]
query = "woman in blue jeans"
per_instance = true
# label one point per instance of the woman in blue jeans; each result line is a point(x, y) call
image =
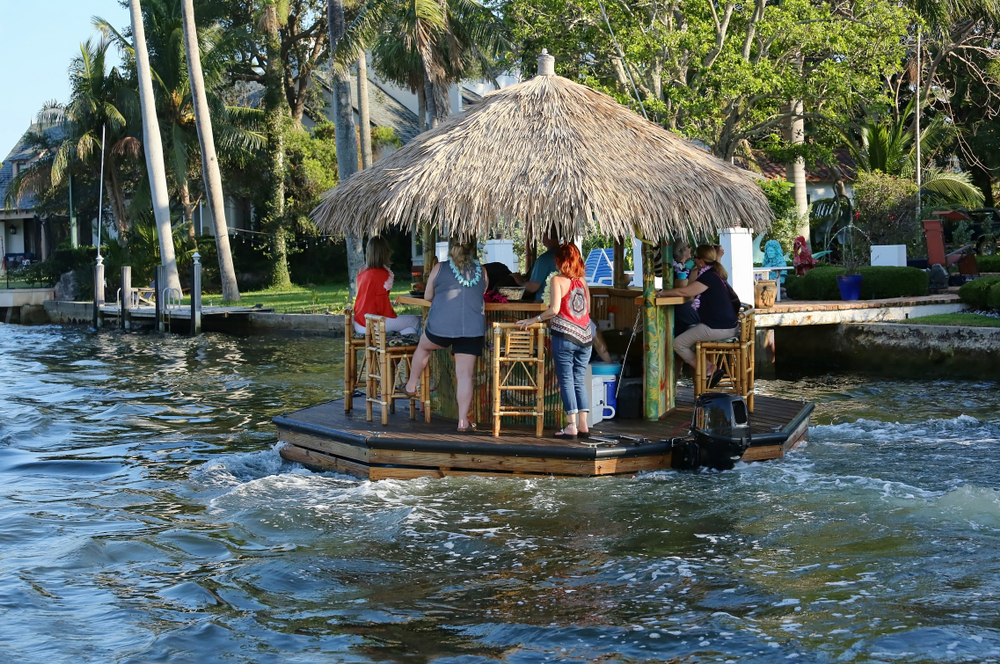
point(572, 338)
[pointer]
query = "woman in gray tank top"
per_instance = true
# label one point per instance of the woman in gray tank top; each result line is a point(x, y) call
point(457, 318)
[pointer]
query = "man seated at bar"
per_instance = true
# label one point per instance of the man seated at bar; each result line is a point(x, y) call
point(500, 276)
point(457, 318)
point(374, 285)
point(534, 288)
point(707, 285)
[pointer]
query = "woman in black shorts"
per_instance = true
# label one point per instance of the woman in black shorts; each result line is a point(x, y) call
point(457, 318)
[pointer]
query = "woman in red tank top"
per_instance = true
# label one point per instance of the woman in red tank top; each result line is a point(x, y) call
point(572, 338)
point(374, 286)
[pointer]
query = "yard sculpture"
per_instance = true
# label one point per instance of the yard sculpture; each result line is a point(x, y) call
point(803, 259)
point(774, 256)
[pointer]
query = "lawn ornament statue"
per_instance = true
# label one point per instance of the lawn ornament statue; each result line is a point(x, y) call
point(774, 256)
point(803, 259)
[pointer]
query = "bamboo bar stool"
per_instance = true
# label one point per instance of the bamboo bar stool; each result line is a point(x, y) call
point(735, 357)
point(384, 364)
point(353, 371)
point(513, 348)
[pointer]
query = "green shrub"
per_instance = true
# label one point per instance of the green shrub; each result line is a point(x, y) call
point(818, 284)
point(993, 297)
point(876, 283)
point(882, 282)
point(975, 293)
point(64, 259)
point(885, 206)
point(988, 263)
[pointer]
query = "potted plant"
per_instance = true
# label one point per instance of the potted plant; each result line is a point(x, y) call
point(853, 249)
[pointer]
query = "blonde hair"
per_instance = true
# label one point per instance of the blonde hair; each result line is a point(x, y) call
point(462, 254)
point(378, 253)
point(707, 253)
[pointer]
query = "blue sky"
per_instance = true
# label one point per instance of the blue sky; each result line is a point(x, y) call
point(38, 38)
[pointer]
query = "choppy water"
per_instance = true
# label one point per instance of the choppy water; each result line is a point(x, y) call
point(145, 517)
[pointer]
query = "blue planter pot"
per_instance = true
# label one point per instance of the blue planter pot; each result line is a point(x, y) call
point(850, 286)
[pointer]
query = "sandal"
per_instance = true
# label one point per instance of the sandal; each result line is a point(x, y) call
point(583, 434)
point(469, 429)
point(562, 435)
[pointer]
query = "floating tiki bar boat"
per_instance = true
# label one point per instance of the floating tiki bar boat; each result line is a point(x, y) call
point(551, 155)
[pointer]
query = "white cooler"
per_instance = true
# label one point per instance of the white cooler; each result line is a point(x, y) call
point(597, 392)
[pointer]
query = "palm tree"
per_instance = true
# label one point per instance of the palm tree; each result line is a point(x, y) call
point(346, 139)
point(427, 43)
point(153, 148)
point(99, 99)
point(270, 19)
point(210, 165)
point(888, 145)
point(179, 115)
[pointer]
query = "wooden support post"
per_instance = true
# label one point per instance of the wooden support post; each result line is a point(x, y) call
point(125, 306)
point(98, 291)
point(196, 296)
point(430, 243)
point(669, 360)
point(159, 284)
point(652, 341)
point(619, 280)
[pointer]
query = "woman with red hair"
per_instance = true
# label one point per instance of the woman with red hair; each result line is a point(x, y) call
point(572, 337)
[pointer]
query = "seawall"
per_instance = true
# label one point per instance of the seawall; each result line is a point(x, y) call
point(899, 350)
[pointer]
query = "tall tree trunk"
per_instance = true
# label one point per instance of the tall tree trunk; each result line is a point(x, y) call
point(982, 179)
point(188, 207)
point(274, 221)
point(431, 100)
point(795, 172)
point(363, 113)
point(209, 162)
point(153, 148)
point(117, 201)
point(346, 138)
point(422, 108)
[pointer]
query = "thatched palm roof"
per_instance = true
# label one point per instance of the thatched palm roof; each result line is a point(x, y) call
point(547, 152)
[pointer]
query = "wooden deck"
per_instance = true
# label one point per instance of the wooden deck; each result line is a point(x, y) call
point(324, 436)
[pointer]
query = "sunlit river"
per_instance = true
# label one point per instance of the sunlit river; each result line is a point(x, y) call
point(146, 517)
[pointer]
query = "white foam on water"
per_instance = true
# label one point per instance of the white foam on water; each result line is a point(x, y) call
point(963, 427)
point(978, 506)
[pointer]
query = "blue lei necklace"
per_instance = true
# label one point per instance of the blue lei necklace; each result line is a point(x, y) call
point(460, 278)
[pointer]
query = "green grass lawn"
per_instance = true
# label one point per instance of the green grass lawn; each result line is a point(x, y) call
point(302, 300)
point(964, 320)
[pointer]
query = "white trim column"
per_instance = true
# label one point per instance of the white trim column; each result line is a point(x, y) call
point(737, 243)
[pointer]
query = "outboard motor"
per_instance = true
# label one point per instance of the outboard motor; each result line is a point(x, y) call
point(720, 433)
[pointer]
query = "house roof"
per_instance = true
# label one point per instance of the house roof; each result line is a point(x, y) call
point(24, 153)
point(384, 110)
point(817, 172)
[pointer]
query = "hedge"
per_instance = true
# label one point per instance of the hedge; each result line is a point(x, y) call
point(988, 263)
point(982, 293)
point(993, 297)
point(876, 282)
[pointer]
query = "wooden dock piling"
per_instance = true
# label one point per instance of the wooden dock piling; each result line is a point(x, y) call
point(196, 295)
point(126, 298)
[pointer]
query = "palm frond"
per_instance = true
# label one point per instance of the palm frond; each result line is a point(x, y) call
point(947, 186)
